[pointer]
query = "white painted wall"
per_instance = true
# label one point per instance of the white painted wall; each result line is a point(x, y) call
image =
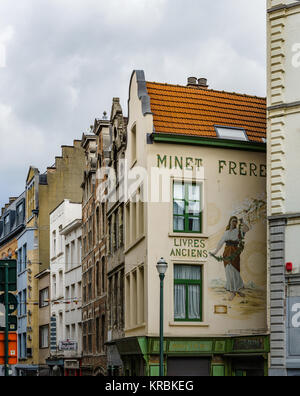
point(65, 275)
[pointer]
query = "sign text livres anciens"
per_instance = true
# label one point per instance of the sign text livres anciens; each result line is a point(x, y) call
point(189, 248)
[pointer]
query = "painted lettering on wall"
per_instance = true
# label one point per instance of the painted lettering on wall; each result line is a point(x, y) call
point(296, 317)
point(189, 248)
point(242, 169)
point(296, 56)
point(169, 161)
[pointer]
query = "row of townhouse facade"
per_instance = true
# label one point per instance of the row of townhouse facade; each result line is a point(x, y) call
point(182, 176)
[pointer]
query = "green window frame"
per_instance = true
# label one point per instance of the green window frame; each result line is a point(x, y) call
point(187, 207)
point(187, 285)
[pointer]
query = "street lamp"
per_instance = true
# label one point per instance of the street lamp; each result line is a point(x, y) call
point(162, 267)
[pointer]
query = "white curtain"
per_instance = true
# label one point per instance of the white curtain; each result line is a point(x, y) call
point(178, 223)
point(194, 302)
point(187, 272)
point(179, 306)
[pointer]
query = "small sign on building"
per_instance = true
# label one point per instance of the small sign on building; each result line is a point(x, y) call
point(68, 345)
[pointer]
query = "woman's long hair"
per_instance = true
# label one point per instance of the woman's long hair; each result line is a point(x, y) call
point(230, 220)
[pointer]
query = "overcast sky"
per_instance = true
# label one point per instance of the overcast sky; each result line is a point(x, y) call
point(66, 59)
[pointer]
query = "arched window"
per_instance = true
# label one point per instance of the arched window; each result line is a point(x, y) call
point(103, 274)
point(97, 224)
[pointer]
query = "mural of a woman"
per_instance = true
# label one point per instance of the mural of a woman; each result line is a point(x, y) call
point(232, 239)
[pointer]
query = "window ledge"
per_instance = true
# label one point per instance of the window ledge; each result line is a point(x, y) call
point(189, 324)
point(142, 325)
point(187, 235)
point(134, 244)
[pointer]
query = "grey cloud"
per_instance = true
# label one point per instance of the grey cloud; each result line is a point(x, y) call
point(67, 59)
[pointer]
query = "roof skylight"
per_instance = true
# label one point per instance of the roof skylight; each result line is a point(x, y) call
point(231, 133)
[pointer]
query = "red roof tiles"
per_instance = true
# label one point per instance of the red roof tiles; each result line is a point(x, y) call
point(195, 111)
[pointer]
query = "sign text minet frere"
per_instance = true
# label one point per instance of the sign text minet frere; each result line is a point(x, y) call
point(224, 167)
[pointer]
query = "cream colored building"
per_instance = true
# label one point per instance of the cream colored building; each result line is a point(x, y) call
point(195, 158)
point(44, 192)
point(283, 183)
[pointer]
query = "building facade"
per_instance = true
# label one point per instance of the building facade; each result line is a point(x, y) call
point(44, 192)
point(196, 172)
point(115, 242)
point(12, 224)
point(65, 286)
point(283, 19)
point(94, 284)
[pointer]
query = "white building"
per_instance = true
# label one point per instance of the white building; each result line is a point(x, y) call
point(65, 267)
point(283, 184)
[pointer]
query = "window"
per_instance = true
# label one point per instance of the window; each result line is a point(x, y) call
point(67, 332)
point(115, 232)
point(231, 133)
point(84, 337)
point(122, 300)
point(110, 235)
point(187, 208)
point(20, 213)
point(98, 338)
point(54, 243)
point(73, 255)
point(79, 293)
point(121, 229)
point(90, 280)
point(98, 278)
point(20, 260)
point(19, 304)
point(22, 346)
point(133, 144)
point(90, 336)
point(103, 332)
point(44, 336)
point(54, 286)
point(68, 263)
point(79, 250)
point(103, 274)
point(97, 224)
point(60, 284)
point(103, 218)
point(84, 288)
point(24, 256)
point(72, 295)
point(24, 310)
point(44, 298)
point(187, 293)
point(67, 297)
point(6, 225)
point(60, 247)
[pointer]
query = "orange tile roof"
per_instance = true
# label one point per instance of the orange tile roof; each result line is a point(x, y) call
point(195, 111)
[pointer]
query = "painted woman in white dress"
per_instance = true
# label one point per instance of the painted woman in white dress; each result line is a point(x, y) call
point(231, 257)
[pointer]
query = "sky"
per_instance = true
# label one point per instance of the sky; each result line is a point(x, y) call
point(63, 61)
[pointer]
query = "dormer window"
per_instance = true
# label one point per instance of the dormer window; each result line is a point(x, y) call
point(231, 133)
point(20, 213)
point(6, 225)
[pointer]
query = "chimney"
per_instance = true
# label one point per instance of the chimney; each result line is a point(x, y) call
point(12, 199)
point(192, 82)
point(200, 83)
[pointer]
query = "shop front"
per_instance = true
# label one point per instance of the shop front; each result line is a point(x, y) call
point(230, 356)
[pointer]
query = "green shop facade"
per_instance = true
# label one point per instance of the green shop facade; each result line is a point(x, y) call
point(224, 356)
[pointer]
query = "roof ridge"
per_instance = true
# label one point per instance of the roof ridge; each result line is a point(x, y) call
point(207, 90)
